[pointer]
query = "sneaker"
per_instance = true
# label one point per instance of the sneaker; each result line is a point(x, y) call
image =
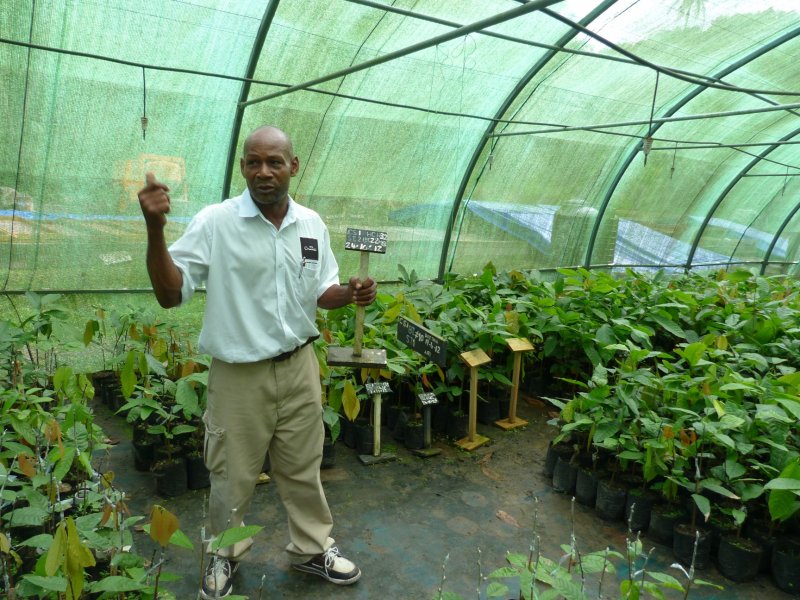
point(332, 566)
point(218, 580)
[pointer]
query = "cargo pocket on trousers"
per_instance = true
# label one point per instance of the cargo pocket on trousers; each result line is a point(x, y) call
point(214, 448)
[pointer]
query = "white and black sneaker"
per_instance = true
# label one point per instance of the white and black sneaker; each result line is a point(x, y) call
point(332, 566)
point(218, 580)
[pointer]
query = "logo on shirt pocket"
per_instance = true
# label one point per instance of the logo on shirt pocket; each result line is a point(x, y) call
point(309, 248)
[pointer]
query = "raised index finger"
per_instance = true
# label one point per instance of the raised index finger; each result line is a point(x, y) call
point(152, 182)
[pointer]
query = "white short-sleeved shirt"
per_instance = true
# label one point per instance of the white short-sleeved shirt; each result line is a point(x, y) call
point(262, 283)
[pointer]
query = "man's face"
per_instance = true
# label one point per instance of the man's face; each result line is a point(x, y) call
point(268, 166)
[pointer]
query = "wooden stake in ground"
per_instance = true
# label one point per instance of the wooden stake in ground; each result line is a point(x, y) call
point(474, 359)
point(376, 390)
point(518, 346)
point(365, 242)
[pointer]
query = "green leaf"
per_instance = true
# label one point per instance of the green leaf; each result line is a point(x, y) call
point(739, 276)
point(668, 324)
point(734, 469)
point(693, 353)
point(496, 589)
point(116, 584)
point(666, 580)
point(703, 504)
point(43, 541)
point(236, 534)
point(57, 554)
point(783, 502)
point(782, 483)
point(791, 379)
point(181, 540)
point(654, 591)
point(52, 584)
point(628, 590)
point(27, 516)
point(127, 376)
point(64, 464)
point(705, 583)
point(790, 404)
point(178, 538)
point(707, 485)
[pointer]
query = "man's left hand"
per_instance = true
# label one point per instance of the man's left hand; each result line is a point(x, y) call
point(364, 292)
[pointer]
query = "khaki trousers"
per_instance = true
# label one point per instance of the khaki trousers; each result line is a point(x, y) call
point(260, 406)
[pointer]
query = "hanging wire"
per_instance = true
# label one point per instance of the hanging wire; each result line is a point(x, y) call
point(304, 163)
point(647, 143)
point(785, 179)
point(18, 174)
point(144, 104)
point(464, 206)
point(674, 156)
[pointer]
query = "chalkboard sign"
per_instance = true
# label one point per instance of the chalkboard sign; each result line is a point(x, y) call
point(380, 387)
point(427, 398)
point(365, 240)
point(422, 340)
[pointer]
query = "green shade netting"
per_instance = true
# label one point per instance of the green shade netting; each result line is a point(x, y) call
point(419, 147)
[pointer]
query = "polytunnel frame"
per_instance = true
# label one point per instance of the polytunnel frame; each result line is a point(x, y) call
point(238, 117)
point(506, 104)
point(742, 173)
point(677, 106)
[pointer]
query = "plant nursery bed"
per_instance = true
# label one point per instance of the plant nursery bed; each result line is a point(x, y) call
point(405, 522)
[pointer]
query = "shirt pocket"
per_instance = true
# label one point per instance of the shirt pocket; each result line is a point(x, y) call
point(309, 278)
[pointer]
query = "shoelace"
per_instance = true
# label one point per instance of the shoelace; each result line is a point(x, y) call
point(220, 568)
point(330, 556)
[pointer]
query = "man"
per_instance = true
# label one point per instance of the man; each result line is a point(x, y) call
point(268, 265)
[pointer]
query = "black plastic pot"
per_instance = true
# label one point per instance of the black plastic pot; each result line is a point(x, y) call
point(439, 414)
point(720, 528)
point(328, 454)
point(663, 518)
point(197, 475)
point(488, 410)
point(586, 487)
point(143, 455)
point(565, 475)
point(638, 506)
point(170, 476)
point(348, 433)
point(738, 558)
point(457, 425)
point(365, 438)
point(683, 541)
point(399, 430)
point(391, 413)
point(415, 435)
point(610, 502)
point(786, 565)
point(766, 540)
point(551, 458)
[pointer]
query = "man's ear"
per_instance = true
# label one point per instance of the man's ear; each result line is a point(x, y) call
point(295, 166)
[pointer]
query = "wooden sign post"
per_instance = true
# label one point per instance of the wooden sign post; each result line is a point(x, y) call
point(518, 346)
point(434, 348)
point(473, 359)
point(377, 390)
point(427, 399)
point(365, 242)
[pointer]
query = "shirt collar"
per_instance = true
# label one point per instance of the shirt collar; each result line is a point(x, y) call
point(248, 208)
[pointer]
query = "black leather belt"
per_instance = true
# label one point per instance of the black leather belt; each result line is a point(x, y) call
point(289, 353)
